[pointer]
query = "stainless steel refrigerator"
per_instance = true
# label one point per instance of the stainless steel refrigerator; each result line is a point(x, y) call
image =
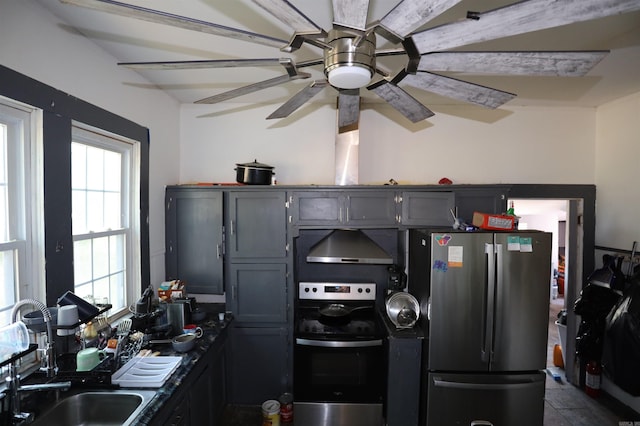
point(484, 301)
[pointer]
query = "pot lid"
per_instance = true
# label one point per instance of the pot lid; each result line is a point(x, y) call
point(255, 165)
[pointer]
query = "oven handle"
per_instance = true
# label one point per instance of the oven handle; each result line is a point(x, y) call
point(339, 344)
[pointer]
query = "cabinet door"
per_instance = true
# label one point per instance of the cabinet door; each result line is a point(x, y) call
point(258, 292)
point(218, 385)
point(257, 225)
point(316, 208)
point(483, 200)
point(370, 208)
point(194, 239)
point(427, 208)
point(200, 403)
point(257, 364)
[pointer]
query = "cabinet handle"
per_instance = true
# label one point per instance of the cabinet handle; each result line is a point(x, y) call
point(232, 230)
point(218, 251)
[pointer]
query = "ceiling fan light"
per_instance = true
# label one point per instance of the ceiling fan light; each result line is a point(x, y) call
point(349, 77)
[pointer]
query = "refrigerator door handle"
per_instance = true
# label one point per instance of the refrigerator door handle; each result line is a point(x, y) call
point(499, 283)
point(482, 386)
point(480, 423)
point(487, 335)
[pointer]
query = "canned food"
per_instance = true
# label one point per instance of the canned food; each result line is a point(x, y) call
point(271, 413)
point(286, 407)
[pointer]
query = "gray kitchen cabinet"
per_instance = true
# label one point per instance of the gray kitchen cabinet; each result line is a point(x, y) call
point(257, 292)
point(427, 208)
point(344, 207)
point(485, 200)
point(194, 237)
point(258, 368)
point(257, 225)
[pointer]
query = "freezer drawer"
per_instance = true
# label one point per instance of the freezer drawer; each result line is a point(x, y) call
point(485, 399)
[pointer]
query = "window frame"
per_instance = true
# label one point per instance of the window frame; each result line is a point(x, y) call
point(58, 111)
point(24, 197)
point(130, 204)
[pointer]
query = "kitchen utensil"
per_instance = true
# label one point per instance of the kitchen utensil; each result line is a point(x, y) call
point(14, 338)
point(86, 310)
point(146, 372)
point(402, 309)
point(338, 310)
point(35, 320)
point(254, 173)
point(67, 316)
point(184, 342)
point(88, 359)
point(124, 326)
point(193, 329)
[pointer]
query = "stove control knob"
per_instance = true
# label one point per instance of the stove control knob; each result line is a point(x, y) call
point(360, 290)
point(368, 290)
point(315, 290)
point(306, 289)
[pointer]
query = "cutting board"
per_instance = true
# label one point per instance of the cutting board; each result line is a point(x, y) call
point(146, 372)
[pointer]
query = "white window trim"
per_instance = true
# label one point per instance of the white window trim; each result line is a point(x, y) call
point(31, 265)
point(89, 135)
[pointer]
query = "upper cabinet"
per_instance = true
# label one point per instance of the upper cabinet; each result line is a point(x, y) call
point(343, 208)
point(425, 208)
point(257, 225)
point(485, 199)
point(194, 239)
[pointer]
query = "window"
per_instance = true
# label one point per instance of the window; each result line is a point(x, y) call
point(105, 216)
point(21, 219)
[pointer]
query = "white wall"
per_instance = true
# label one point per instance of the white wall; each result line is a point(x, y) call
point(34, 43)
point(527, 145)
point(617, 172)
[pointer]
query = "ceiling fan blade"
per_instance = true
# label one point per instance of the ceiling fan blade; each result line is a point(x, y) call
point(291, 16)
point(406, 104)
point(348, 108)
point(252, 88)
point(205, 64)
point(156, 16)
point(456, 89)
point(409, 15)
point(564, 64)
point(299, 99)
point(351, 13)
point(519, 18)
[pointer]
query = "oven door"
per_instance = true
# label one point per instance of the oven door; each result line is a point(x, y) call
point(338, 371)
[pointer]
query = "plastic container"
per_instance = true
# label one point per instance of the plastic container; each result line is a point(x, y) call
point(14, 338)
point(286, 407)
point(562, 332)
point(271, 413)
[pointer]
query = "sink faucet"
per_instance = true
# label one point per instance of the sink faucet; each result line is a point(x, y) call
point(48, 365)
point(49, 355)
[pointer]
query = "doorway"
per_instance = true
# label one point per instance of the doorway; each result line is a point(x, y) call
point(550, 215)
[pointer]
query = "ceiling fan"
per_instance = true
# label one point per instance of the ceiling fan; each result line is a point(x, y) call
point(350, 50)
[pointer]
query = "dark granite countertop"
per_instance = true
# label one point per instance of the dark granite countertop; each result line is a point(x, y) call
point(213, 331)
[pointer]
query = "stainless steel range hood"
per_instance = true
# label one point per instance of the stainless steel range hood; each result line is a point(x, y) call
point(348, 246)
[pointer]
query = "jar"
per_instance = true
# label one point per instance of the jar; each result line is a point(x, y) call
point(286, 407)
point(271, 413)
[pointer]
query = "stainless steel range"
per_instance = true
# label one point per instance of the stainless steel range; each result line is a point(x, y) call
point(338, 358)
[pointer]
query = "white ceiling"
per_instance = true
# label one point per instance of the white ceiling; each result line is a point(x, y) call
point(128, 39)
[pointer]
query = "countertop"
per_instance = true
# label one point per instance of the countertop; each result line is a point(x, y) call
point(213, 331)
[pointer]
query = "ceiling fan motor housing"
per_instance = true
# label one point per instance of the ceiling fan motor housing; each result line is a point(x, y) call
point(347, 65)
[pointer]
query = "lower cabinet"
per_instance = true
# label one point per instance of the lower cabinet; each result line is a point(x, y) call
point(259, 367)
point(201, 397)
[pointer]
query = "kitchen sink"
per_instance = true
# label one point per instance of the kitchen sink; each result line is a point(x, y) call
point(104, 407)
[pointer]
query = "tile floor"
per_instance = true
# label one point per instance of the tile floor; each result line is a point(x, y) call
point(568, 405)
point(565, 404)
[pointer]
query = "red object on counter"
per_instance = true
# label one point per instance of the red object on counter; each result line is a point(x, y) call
point(592, 379)
point(445, 181)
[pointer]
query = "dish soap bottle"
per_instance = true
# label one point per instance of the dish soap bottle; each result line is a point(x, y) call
point(511, 212)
